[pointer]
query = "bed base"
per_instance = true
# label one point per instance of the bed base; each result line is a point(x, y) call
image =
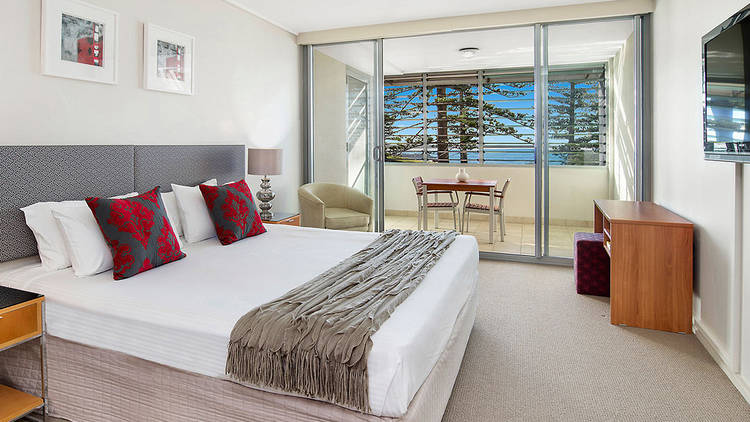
point(92, 384)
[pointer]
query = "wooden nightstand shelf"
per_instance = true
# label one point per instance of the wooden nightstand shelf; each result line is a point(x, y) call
point(285, 218)
point(21, 320)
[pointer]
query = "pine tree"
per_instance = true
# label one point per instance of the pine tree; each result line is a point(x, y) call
point(453, 114)
point(402, 102)
point(457, 114)
point(574, 116)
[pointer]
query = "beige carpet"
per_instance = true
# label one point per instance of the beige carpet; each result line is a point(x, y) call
point(540, 352)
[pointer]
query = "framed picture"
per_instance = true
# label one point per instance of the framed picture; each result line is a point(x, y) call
point(168, 60)
point(79, 41)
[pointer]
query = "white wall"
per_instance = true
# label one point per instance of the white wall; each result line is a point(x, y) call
point(247, 86)
point(572, 188)
point(621, 125)
point(702, 191)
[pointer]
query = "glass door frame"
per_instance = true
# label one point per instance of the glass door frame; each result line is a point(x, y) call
point(642, 129)
point(541, 137)
point(377, 154)
point(643, 141)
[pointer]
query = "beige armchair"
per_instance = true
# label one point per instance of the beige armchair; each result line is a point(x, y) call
point(337, 207)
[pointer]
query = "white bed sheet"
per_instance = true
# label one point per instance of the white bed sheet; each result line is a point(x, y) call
point(181, 314)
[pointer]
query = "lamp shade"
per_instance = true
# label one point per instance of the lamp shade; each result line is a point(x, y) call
point(264, 161)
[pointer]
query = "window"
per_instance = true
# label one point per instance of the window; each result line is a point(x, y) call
point(487, 117)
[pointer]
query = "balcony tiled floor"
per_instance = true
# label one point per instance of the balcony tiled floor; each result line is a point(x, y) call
point(519, 238)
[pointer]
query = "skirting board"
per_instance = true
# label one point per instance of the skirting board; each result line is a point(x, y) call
point(720, 357)
point(483, 217)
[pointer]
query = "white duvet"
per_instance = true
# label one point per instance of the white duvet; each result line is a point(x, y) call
point(181, 314)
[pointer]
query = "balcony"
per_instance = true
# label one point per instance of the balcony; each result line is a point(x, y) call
point(485, 119)
point(572, 190)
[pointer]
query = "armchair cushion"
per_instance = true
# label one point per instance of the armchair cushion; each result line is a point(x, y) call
point(343, 218)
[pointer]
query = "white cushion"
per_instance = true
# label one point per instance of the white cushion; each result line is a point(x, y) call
point(89, 252)
point(196, 221)
point(49, 238)
point(173, 212)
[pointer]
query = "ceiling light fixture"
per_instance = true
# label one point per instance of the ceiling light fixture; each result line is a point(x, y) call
point(469, 52)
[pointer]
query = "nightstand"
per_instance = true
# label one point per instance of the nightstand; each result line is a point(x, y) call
point(285, 218)
point(21, 320)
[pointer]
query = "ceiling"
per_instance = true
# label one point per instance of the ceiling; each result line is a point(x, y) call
point(590, 42)
point(304, 15)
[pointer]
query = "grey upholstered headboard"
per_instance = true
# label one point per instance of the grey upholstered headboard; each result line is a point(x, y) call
point(160, 165)
point(31, 174)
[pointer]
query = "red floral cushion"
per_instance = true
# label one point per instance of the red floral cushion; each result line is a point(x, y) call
point(137, 231)
point(233, 211)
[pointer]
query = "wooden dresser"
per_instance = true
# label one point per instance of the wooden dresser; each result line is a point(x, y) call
point(651, 264)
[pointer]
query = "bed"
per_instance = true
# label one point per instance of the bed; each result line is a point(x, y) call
point(155, 346)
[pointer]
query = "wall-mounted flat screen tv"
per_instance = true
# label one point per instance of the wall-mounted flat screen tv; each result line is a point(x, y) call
point(726, 90)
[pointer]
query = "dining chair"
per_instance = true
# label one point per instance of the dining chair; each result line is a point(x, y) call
point(473, 207)
point(436, 206)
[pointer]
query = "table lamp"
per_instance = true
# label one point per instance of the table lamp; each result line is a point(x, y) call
point(264, 162)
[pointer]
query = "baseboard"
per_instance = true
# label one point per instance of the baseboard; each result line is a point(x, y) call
point(484, 217)
point(707, 340)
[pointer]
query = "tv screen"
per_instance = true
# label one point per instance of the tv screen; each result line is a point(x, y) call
point(726, 76)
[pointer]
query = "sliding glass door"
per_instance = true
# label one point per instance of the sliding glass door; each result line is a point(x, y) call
point(463, 101)
point(344, 110)
point(554, 110)
point(589, 112)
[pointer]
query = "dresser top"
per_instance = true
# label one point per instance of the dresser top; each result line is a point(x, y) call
point(11, 297)
point(639, 212)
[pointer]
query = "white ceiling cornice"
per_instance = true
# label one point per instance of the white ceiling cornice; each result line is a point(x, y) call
point(524, 17)
point(305, 16)
point(243, 5)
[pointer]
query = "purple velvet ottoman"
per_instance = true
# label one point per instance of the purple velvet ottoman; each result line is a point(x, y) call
point(590, 264)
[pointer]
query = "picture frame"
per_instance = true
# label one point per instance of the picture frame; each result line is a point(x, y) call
point(79, 41)
point(168, 60)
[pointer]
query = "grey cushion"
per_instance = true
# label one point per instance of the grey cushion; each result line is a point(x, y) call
point(343, 218)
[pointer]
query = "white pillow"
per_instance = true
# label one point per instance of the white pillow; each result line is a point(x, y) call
point(173, 212)
point(173, 215)
point(196, 221)
point(89, 252)
point(49, 238)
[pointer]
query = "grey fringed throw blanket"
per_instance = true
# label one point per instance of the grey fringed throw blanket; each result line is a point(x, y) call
point(315, 339)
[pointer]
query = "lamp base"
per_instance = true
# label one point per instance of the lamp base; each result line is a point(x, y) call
point(265, 195)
